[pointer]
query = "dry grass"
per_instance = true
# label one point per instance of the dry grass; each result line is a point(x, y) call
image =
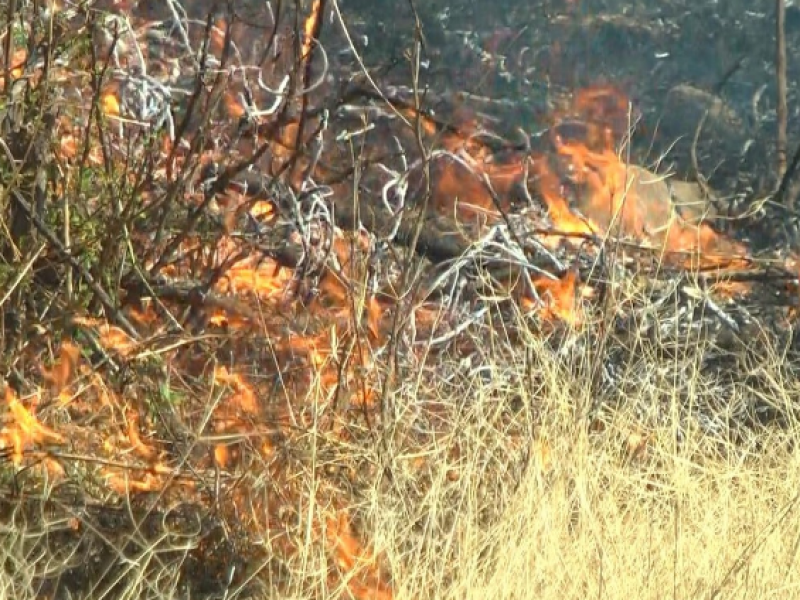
point(524, 493)
point(613, 514)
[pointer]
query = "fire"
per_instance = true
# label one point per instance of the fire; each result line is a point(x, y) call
point(60, 376)
point(16, 66)
point(146, 451)
point(243, 397)
point(311, 28)
point(561, 298)
point(111, 336)
point(322, 336)
point(235, 416)
point(124, 482)
point(255, 275)
point(357, 563)
point(70, 148)
point(218, 34)
point(25, 430)
point(589, 189)
point(110, 104)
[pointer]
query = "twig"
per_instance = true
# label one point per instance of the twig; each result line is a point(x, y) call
point(701, 180)
point(21, 275)
point(726, 76)
point(54, 242)
point(11, 9)
point(780, 72)
point(783, 188)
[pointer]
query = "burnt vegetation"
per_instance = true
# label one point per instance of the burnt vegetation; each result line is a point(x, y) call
point(256, 294)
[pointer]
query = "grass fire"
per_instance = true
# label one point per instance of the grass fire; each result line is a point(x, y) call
point(293, 307)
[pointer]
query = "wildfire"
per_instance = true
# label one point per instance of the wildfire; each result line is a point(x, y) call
point(25, 430)
point(322, 337)
point(590, 190)
point(64, 369)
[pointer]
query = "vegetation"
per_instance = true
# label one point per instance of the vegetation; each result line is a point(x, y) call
point(271, 327)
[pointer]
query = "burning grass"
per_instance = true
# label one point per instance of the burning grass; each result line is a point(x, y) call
point(308, 350)
point(500, 477)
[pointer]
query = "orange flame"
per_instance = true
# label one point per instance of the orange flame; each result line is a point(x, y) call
point(234, 414)
point(243, 397)
point(64, 368)
point(613, 197)
point(139, 447)
point(152, 479)
point(310, 28)
point(356, 562)
point(561, 298)
point(123, 484)
point(16, 64)
point(111, 337)
point(110, 104)
point(25, 430)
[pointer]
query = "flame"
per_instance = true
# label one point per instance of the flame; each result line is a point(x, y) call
point(237, 413)
point(17, 64)
point(561, 298)
point(70, 148)
point(139, 447)
point(252, 274)
point(588, 191)
point(606, 110)
point(217, 38)
point(123, 484)
point(111, 337)
point(53, 468)
point(358, 564)
point(222, 456)
point(25, 430)
point(317, 340)
point(153, 478)
point(243, 398)
point(459, 191)
point(311, 29)
point(233, 105)
point(109, 102)
point(106, 397)
point(60, 376)
point(610, 196)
